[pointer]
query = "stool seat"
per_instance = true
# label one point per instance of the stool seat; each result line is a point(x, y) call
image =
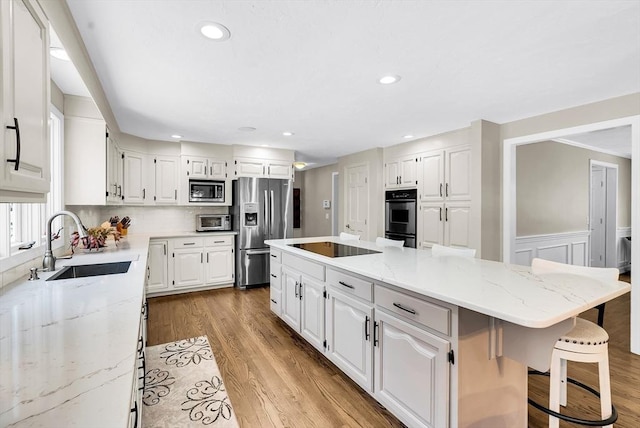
point(586, 337)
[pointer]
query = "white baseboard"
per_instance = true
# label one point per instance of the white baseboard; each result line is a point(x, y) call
point(569, 247)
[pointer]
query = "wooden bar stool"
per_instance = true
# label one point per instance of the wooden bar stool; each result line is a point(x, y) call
point(586, 342)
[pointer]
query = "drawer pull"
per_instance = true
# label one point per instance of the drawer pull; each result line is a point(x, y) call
point(189, 243)
point(273, 255)
point(399, 306)
point(273, 276)
point(218, 242)
point(348, 285)
point(274, 301)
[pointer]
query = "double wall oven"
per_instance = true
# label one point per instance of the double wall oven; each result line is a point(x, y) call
point(400, 216)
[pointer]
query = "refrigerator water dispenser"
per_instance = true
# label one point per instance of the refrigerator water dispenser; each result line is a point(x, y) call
point(250, 215)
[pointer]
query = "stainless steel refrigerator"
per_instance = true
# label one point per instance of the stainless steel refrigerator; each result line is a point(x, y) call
point(262, 209)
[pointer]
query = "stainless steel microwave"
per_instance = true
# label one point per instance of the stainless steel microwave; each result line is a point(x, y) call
point(213, 222)
point(204, 191)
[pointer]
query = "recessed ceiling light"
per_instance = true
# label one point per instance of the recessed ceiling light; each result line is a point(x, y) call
point(287, 134)
point(299, 165)
point(215, 31)
point(408, 136)
point(388, 80)
point(59, 53)
point(176, 136)
point(247, 129)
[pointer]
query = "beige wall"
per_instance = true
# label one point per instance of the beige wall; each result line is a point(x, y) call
point(552, 188)
point(316, 187)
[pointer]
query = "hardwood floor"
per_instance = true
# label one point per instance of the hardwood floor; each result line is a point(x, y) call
point(274, 378)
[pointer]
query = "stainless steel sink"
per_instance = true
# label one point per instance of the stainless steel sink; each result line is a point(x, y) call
point(82, 271)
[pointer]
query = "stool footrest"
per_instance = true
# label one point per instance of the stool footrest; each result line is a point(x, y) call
point(586, 422)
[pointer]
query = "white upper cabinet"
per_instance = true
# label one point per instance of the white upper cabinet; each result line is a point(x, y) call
point(248, 167)
point(401, 172)
point(166, 179)
point(445, 175)
point(24, 141)
point(206, 168)
point(115, 171)
point(135, 180)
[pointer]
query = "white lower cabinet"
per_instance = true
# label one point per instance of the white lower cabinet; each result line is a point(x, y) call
point(312, 317)
point(349, 337)
point(291, 297)
point(190, 263)
point(411, 372)
point(275, 282)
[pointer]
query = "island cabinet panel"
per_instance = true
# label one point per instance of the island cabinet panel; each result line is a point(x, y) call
point(275, 282)
point(290, 297)
point(411, 372)
point(349, 336)
point(157, 267)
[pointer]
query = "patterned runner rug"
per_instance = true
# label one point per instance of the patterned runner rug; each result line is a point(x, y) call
point(183, 387)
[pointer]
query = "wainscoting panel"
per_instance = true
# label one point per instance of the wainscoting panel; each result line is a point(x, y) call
point(571, 248)
point(624, 248)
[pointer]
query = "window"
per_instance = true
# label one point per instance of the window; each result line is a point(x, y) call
point(27, 223)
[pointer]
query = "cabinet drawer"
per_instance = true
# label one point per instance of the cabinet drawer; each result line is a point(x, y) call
point(218, 241)
point(426, 313)
point(309, 268)
point(351, 284)
point(275, 301)
point(189, 242)
point(276, 255)
point(274, 275)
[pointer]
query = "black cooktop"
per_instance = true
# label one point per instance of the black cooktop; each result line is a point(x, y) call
point(332, 249)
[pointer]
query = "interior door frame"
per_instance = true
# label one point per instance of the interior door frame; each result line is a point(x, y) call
point(611, 209)
point(365, 233)
point(335, 199)
point(509, 199)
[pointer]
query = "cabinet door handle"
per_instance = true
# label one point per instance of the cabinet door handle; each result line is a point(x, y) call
point(300, 291)
point(119, 190)
point(400, 180)
point(346, 285)
point(440, 189)
point(446, 214)
point(446, 193)
point(16, 161)
point(404, 308)
point(164, 248)
point(201, 258)
point(210, 171)
point(273, 276)
point(144, 193)
point(440, 213)
point(175, 195)
point(366, 327)
point(375, 333)
point(207, 257)
point(296, 289)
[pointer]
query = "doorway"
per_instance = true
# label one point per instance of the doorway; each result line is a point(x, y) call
point(603, 202)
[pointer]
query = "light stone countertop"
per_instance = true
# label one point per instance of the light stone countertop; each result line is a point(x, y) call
point(68, 347)
point(507, 292)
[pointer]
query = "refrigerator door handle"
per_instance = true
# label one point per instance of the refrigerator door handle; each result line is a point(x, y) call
point(266, 215)
point(257, 252)
point(271, 213)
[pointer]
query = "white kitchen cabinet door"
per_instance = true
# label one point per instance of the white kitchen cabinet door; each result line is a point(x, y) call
point(219, 267)
point(250, 168)
point(166, 180)
point(197, 168)
point(392, 175)
point(217, 169)
point(157, 275)
point(25, 96)
point(276, 301)
point(430, 225)
point(457, 221)
point(458, 174)
point(115, 170)
point(188, 267)
point(134, 188)
point(282, 170)
point(431, 177)
point(412, 373)
point(291, 298)
point(408, 172)
point(85, 172)
point(350, 337)
point(313, 312)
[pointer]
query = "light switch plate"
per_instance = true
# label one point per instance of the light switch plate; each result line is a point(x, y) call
point(326, 203)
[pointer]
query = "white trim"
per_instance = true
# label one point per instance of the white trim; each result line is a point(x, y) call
point(568, 247)
point(610, 241)
point(592, 148)
point(509, 199)
point(335, 198)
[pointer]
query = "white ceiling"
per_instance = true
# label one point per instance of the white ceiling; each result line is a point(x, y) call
point(613, 140)
point(64, 73)
point(312, 67)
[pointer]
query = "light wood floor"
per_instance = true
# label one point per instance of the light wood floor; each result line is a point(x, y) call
point(274, 378)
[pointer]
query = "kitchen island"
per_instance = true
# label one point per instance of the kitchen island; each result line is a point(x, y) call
point(439, 341)
point(69, 349)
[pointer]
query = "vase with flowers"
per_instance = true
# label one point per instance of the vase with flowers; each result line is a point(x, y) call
point(96, 238)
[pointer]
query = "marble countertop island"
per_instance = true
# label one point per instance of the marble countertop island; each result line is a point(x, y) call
point(68, 347)
point(507, 292)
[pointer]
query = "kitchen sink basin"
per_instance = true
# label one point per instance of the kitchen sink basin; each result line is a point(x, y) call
point(82, 271)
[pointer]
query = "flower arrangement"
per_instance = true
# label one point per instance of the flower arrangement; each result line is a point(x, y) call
point(96, 237)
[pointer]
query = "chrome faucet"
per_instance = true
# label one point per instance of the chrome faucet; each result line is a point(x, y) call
point(49, 261)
